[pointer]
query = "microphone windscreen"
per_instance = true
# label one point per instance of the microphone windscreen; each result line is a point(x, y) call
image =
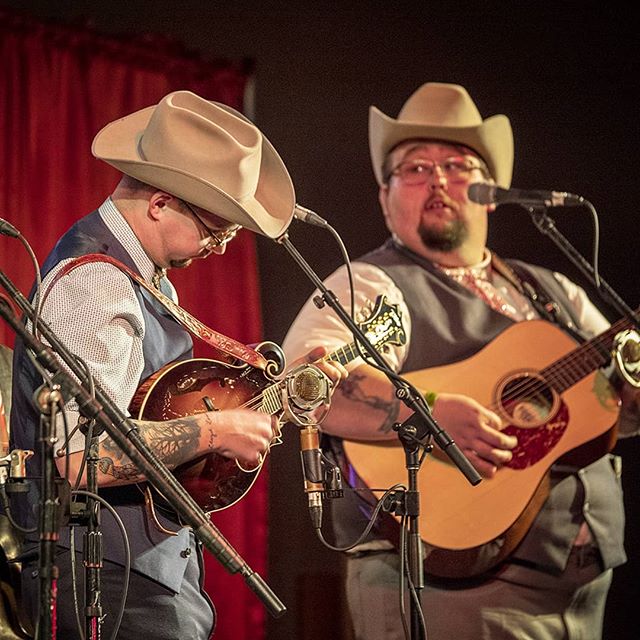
point(307, 386)
point(482, 193)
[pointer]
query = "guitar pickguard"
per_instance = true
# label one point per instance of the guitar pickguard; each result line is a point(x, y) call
point(533, 412)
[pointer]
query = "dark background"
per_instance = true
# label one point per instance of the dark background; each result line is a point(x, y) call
point(566, 74)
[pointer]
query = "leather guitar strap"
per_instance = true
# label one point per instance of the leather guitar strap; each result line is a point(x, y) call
point(528, 286)
point(226, 345)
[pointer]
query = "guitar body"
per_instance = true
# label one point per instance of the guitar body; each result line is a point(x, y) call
point(470, 529)
point(195, 386)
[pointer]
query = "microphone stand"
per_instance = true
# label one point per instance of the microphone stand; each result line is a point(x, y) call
point(124, 432)
point(92, 546)
point(547, 226)
point(417, 429)
point(47, 400)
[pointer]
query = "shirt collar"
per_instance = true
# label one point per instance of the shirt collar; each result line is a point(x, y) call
point(120, 228)
point(479, 270)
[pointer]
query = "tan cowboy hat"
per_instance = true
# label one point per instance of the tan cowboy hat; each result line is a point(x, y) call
point(207, 154)
point(444, 112)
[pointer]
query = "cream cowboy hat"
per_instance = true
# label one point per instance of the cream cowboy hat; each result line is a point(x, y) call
point(444, 112)
point(207, 154)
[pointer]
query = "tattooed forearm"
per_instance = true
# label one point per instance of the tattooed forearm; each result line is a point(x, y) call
point(174, 442)
point(352, 389)
point(110, 467)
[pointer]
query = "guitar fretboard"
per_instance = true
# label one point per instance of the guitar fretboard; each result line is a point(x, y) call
point(575, 365)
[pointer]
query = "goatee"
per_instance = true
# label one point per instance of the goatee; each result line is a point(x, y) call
point(446, 239)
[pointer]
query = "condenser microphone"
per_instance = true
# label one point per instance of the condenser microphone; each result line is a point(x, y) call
point(307, 387)
point(484, 193)
point(310, 217)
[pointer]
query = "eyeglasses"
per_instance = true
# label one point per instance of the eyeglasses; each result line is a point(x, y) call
point(218, 238)
point(413, 172)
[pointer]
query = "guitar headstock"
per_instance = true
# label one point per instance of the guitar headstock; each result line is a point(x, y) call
point(383, 325)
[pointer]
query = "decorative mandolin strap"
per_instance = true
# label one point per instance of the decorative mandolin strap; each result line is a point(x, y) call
point(226, 345)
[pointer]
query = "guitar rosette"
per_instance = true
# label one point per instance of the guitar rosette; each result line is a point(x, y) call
point(306, 393)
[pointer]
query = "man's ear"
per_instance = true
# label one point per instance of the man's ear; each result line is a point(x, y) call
point(383, 195)
point(157, 202)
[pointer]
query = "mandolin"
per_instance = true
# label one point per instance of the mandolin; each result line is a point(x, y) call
point(199, 384)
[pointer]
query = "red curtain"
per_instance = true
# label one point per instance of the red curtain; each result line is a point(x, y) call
point(58, 87)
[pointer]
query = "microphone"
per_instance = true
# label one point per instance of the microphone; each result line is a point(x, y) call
point(307, 387)
point(484, 193)
point(310, 217)
point(7, 229)
point(312, 471)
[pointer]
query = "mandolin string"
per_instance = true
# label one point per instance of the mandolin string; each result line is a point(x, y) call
point(258, 401)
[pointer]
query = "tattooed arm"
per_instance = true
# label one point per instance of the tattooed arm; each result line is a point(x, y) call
point(365, 407)
point(236, 433)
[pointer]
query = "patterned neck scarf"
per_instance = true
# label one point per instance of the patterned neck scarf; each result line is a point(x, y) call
point(478, 279)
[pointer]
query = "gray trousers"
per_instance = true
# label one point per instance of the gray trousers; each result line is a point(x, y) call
point(520, 604)
point(152, 611)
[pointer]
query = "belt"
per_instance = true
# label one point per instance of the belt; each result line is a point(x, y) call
point(582, 556)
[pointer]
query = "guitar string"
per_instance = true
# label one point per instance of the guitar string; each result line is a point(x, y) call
point(567, 370)
point(563, 370)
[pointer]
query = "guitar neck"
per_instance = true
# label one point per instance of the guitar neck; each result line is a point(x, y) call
point(588, 357)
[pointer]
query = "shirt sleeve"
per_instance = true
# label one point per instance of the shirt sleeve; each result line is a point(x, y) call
point(95, 312)
point(313, 327)
point(590, 320)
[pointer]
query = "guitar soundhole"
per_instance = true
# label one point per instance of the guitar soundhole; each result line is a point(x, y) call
point(536, 414)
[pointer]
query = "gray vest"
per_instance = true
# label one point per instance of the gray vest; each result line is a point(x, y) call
point(453, 324)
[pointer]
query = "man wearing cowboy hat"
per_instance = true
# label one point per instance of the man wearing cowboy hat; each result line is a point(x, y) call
point(194, 172)
point(456, 297)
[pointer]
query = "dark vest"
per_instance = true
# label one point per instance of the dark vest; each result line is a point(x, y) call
point(153, 554)
point(453, 324)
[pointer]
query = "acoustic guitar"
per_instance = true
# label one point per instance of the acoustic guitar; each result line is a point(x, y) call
point(550, 395)
point(199, 384)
